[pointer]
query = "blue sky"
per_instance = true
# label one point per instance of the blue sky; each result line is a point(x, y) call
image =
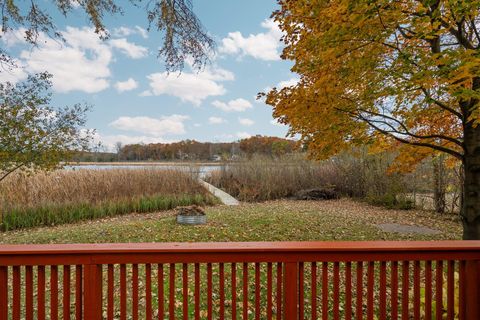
point(135, 101)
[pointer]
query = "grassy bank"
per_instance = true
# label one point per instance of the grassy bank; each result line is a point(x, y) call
point(268, 221)
point(59, 197)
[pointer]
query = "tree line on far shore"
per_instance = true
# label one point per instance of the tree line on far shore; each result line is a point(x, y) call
point(192, 150)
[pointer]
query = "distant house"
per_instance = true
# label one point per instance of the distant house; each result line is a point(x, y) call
point(216, 157)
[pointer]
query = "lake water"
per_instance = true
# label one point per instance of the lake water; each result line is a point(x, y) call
point(202, 170)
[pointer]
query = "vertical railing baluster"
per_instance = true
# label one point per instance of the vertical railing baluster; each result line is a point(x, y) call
point(185, 290)
point(148, 291)
point(257, 291)
point(450, 290)
point(28, 293)
point(394, 289)
point(405, 288)
point(41, 292)
point(54, 292)
point(301, 288)
point(171, 301)
point(16, 293)
point(279, 290)
point(428, 289)
point(348, 290)
point(269, 291)
point(110, 292)
point(439, 290)
point(66, 292)
point(314, 291)
point(123, 292)
point(359, 292)
point(416, 290)
point(197, 291)
point(383, 290)
point(325, 290)
point(78, 292)
point(3, 292)
point(160, 293)
point(370, 289)
point(234, 291)
point(209, 292)
point(336, 290)
point(245, 290)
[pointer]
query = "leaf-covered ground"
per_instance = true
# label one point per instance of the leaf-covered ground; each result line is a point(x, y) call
point(269, 221)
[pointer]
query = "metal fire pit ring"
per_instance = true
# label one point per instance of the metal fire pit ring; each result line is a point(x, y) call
point(191, 220)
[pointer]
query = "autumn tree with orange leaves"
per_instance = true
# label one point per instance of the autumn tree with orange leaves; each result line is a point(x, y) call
point(382, 71)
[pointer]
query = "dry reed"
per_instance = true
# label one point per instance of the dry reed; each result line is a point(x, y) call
point(66, 195)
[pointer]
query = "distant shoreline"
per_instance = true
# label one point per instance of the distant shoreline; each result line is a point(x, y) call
point(144, 163)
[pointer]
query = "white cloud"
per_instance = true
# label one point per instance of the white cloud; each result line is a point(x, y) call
point(142, 32)
point(243, 135)
point(132, 50)
point(13, 74)
point(246, 122)
point(146, 93)
point(263, 46)
point(156, 127)
point(287, 83)
point(237, 105)
point(282, 84)
point(13, 37)
point(189, 86)
point(216, 120)
point(127, 85)
point(126, 31)
point(82, 63)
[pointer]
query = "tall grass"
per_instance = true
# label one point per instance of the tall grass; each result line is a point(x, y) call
point(353, 175)
point(264, 178)
point(67, 196)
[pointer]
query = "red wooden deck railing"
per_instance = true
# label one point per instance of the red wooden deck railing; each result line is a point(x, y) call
point(262, 280)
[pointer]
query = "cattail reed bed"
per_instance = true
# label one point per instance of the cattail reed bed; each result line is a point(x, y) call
point(66, 196)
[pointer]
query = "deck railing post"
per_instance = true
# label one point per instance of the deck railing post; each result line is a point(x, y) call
point(291, 291)
point(93, 292)
point(3, 292)
point(472, 290)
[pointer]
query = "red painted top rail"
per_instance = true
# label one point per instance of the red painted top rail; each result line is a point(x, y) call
point(215, 247)
point(315, 280)
point(33, 254)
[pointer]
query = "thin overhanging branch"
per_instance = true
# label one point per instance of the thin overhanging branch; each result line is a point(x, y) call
point(415, 143)
point(441, 104)
point(394, 132)
point(406, 131)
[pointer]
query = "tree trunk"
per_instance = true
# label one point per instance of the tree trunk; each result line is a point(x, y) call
point(439, 184)
point(471, 188)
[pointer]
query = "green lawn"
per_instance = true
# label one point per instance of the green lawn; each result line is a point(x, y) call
point(269, 221)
